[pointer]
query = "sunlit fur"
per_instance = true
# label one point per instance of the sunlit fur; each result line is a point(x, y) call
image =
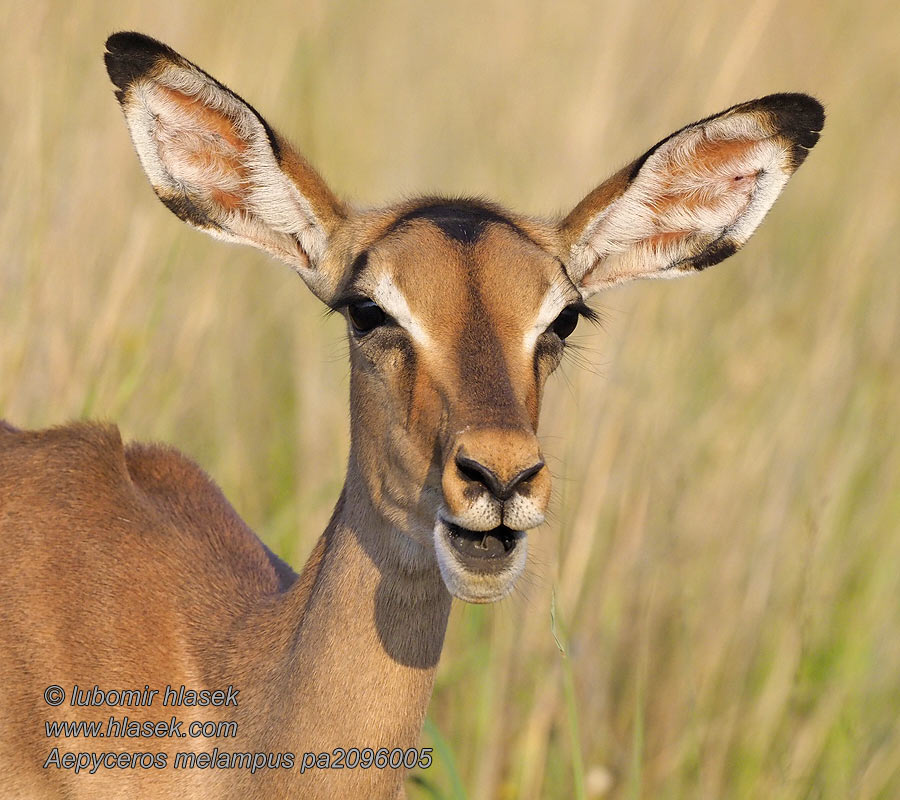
point(444, 407)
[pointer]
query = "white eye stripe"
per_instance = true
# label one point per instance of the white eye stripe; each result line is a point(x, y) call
point(554, 302)
point(391, 300)
point(387, 295)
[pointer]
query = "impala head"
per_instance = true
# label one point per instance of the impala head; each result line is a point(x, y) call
point(457, 310)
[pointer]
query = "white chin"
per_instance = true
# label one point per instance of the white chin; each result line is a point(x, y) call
point(482, 566)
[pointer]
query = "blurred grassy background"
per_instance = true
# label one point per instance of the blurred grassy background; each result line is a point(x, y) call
point(724, 561)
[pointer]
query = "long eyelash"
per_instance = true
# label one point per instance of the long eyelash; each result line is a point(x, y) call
point(593, 317)
point(340, 303)
point(588, 313)
point(582, 357)
point(579, 354)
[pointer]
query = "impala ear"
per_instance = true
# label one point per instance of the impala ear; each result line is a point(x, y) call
point(216, 163)
point(693, 199)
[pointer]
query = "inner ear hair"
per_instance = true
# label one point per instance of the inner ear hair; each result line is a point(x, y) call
point(214, 161)
point(694, 198)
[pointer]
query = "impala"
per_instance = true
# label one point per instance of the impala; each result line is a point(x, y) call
point(124, 569)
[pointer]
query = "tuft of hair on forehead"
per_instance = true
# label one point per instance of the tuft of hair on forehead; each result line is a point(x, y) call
point(463, 220)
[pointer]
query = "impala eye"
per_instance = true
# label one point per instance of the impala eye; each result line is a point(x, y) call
point(365, 316)
point(566, 322)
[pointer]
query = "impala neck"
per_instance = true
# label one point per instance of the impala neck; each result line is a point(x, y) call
point(358, 636)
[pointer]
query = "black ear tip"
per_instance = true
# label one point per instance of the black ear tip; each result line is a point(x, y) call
point(130, 54)
point(799, 118)
point(796, 110)
point(132, 43)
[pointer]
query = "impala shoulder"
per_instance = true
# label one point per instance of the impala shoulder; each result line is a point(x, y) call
point(68, 456)
point(208, 526)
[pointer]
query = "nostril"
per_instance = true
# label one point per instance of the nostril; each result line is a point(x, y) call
point(479, 473)
point(526, 475)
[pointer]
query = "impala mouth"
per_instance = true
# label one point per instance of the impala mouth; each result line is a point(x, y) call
point(484, 551)
point(479, 566)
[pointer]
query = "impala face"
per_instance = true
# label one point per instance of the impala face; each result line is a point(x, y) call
point(456, 315)
point(457, 310)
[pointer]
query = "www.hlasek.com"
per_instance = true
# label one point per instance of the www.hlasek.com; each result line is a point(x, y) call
point(124, 727)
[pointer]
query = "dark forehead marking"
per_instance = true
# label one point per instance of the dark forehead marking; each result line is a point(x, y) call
point(461, 220)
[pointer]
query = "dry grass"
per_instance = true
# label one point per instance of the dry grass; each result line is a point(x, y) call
point(725, 550)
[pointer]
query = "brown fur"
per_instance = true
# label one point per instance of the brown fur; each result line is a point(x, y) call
point(124, 566)
point(180, 591)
